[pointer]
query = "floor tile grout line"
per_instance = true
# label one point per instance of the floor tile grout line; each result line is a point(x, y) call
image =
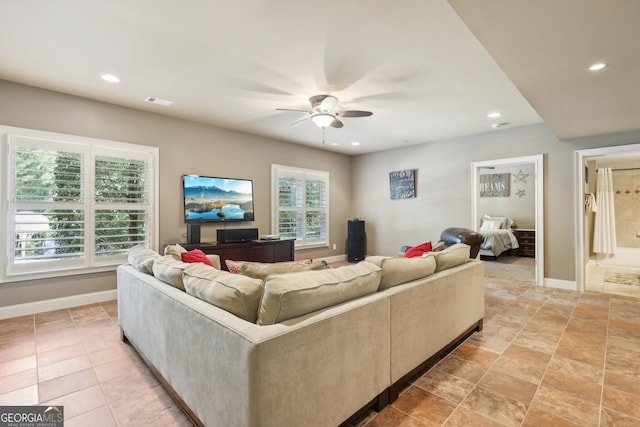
point(477, 384)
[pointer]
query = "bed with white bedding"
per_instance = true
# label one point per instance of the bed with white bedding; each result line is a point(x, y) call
point(498, 236)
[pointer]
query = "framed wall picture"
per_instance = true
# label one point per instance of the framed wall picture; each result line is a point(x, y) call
point(494, 185)
point(402, 184)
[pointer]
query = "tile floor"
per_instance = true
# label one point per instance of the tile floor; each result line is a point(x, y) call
point(594, 280)
point(545, 357)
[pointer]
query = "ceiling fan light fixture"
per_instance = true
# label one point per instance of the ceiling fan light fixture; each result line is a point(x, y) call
point(323, 120)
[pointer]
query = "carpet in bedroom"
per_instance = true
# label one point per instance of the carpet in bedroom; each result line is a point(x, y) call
point(507, 267)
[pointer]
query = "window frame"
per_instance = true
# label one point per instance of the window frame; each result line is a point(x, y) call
point(10, 138)
point(282, 170)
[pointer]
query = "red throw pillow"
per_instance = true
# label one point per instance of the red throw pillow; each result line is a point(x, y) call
point(418, 250)
point(195, 255)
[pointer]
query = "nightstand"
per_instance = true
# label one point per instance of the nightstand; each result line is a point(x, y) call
point(526, 241)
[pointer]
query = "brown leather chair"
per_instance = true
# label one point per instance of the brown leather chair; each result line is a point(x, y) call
point(452, 235)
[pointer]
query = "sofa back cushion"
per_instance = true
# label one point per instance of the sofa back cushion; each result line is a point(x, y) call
point(294, 294)
point(175, 251)
point(234, 293)
point(453, 255)
point(261, 271)
point(142, 258)
point(399, 270)
point(169, 270)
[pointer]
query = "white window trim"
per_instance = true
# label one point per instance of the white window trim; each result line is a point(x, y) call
point(96, 146)
point(299, 244)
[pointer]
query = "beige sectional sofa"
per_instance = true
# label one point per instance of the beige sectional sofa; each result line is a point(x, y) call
point(306, 347)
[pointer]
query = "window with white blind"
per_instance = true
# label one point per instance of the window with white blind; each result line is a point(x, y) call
point(300, 203)
point(74, 205)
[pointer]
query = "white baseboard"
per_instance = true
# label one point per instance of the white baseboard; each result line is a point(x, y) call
point(560, 284)
point(56, 304)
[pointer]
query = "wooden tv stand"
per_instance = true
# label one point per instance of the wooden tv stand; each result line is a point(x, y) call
point(255, 250)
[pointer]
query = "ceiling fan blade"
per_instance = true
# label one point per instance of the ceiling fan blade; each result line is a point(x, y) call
point(354, 113)
point(293, 109)
point(299, 121)
point(336, 123)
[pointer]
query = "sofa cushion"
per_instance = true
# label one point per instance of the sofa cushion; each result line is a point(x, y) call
point(294, 294)
point(195, 255)
point(142, 258)
point(175, 251)
point(237, 294)
point(399, 270)
point(236, 266)
point(261, 271)
point(418, 250)
point(169, 270)
point(453, 255)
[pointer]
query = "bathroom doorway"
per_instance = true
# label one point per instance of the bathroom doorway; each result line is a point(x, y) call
point(617, 273)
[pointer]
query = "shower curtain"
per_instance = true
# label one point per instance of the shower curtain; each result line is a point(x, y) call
point(604, 235)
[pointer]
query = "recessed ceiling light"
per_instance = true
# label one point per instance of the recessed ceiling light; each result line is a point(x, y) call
point(355, 143)
point(597, 66)
point(110, 78)
point(494, 114)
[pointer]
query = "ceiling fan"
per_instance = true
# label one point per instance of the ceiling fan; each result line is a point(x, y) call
point(324, 114)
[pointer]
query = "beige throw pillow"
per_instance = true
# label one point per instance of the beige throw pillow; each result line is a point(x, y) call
point(142, 258)
point(294, 294)
point(237, 294)
point(453, 255)
point(261, 271)
point(175, 251)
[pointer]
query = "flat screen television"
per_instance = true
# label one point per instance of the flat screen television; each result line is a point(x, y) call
point(215, 199)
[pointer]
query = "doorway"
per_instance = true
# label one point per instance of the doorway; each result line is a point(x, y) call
point(590, 272)
point(533, 222)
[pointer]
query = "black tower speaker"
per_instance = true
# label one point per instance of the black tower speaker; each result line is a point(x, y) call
point(193, 234)
point(356, 240)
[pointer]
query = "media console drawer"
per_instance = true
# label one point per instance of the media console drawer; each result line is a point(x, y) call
point(526, 242)
point(255, 250)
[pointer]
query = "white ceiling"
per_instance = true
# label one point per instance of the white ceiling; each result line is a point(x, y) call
point(414, 63)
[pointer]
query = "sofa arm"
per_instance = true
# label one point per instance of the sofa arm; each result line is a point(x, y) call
point(215, 260)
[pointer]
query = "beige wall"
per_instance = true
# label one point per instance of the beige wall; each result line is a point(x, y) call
point(185, 147)
point(359, 185)
point(443, 188)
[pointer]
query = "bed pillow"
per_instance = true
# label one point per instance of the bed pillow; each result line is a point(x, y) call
point(491, 224)
point(506, 221)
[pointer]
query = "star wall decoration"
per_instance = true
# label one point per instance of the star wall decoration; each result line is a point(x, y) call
point(521, 193)
point(520, 177)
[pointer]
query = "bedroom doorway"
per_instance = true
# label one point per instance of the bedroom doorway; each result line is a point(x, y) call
point(515, 186)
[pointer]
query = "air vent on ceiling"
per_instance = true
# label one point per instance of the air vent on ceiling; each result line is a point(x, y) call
point(159, 101)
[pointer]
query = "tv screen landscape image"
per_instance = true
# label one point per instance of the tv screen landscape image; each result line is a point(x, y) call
point(214, 199)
